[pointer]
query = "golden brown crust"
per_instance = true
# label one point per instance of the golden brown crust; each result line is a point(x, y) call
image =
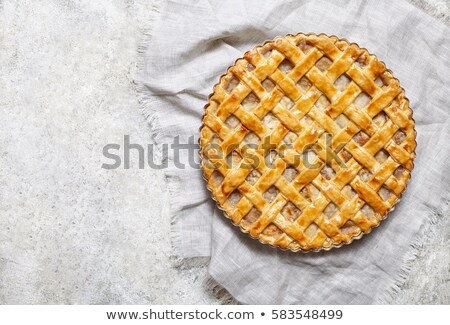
point(330, 103)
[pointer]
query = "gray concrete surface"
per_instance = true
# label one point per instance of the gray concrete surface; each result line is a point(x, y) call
point(70, 231)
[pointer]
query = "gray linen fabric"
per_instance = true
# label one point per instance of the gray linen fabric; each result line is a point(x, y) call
point(192, 43)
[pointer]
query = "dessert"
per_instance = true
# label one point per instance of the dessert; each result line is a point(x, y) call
point(307, 142)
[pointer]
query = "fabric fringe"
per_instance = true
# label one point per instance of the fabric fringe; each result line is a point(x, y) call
point(425, 235)
point(145, 100)
point(219, 292)
point(150, 115)
point(437, 9)
point(213, 288)
point(173, 182)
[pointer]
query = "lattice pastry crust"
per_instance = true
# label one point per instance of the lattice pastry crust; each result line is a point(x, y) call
point(307, 142)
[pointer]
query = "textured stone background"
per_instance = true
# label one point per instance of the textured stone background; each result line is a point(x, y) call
point(72, 232)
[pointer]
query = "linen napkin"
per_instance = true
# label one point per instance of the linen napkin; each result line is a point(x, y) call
point(190, 44)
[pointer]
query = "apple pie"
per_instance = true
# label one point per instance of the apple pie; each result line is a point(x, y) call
point(307, 142)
